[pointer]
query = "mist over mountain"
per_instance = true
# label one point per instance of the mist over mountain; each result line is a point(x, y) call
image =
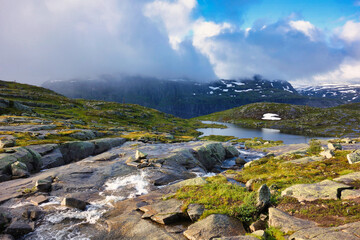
point(183, 97)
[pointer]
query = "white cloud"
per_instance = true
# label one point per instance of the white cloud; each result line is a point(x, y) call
point(305, 27)
point(175, 16)
point(350, 32)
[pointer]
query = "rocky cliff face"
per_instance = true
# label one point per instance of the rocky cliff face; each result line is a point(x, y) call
point(185, 98)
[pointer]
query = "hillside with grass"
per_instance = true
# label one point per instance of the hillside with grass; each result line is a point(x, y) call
point(22, 101)
point(338, 121)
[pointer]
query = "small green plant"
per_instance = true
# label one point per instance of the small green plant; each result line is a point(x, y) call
point(274, 234)
point(29, 190)
point(314, 148)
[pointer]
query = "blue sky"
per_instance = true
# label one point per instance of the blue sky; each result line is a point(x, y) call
point(302, 41)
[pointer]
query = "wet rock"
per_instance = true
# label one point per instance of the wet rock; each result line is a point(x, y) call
point(168, 178)
point(53, 159)
point(39, 200)
point(35, 214)
point(44, 184)
point(210, 154)
point(19, 228)
point(258, 225)
point(215, 225)
point(74, 203)
point(6, 237)
point(231, 151)
point(263, 199)
point(140, 155)
point(326, 189)
point(195, 211)
point(240, 161)
point(354, 157)
point(3, 221)
point(7, 141)
point(75, 151)
point(287, 223)
point(4, 177)
point(334, 146)
point(164, 212)
point(19, 170)
point(327, 153)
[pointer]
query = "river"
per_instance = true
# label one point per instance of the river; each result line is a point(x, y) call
point(265, 133)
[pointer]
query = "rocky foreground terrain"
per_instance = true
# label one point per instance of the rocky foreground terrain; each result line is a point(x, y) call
point(77, 169)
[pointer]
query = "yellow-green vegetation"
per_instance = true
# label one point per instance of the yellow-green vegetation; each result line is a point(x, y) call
point(218, 138)
point(220, 196)
point(259, 143)
point(314, 147)
point(281, 173)
point(332, 122)
point(29, 190)
point(112, 118)
point(273, 233)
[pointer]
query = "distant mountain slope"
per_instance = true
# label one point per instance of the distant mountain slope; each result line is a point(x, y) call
point(335, 122)
point(30, 101)
point(347, 93)
point(185, 98)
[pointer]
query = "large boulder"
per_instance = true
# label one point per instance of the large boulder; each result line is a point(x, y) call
point(19, 170)
point(83, 135)
point(19, 228)
point(326, 189)
point(75, 151)
point(43, 149)
point(164, 212)
point(287, 223)
point(231, 151)
point(263, 198)
point(104, 144)
point(210, 154)
point(74, 203)
point(53, 159)
point(215, 226)
point(354, 157)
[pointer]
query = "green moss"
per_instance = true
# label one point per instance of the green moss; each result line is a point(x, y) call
point(282, 174)
point(273, 233)
point(218, 138)
point(220, 196)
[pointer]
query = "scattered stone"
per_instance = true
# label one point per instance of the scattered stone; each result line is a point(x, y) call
point(348, 178)
point(263, 199)
point(195, 211)
point(140, 155)
point(249, 184)
point(231, 151)
point(240, 161)
point(287, 223)
point(327, 153)
point(44, 184)
point(326, 189)
point(19, 170)
point(260, 233)
point(346, 140)
point(215, 225)
point(35, 214)
point(7, 141)
point(334, 146)
point(18, 229)
point(354, 157)
point(39, 200)
point(350, 194)
point(75, 203)
point(258, 225)
point(304, 160)
point(164, 212)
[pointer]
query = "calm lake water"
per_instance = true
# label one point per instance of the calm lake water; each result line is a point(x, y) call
point(265, 133)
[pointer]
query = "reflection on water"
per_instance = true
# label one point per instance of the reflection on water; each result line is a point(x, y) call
point(265, 133)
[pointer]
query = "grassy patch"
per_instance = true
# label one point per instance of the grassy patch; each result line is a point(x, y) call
point(282, 174)
point(273, 233)
point(220, 196)
point(314, 147)
point(218, 138)
point(327, 213)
